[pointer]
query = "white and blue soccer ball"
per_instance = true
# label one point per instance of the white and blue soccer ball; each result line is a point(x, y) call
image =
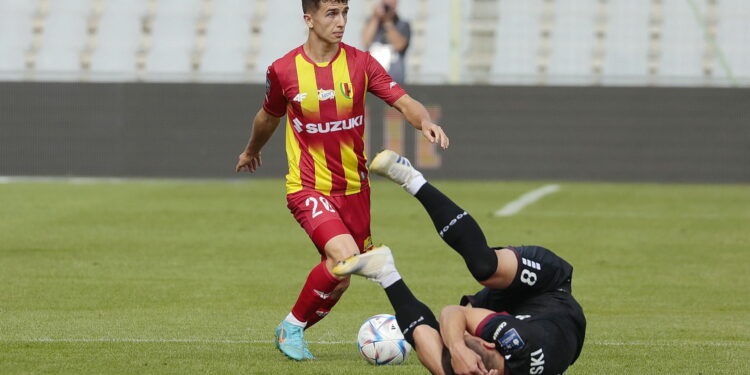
point(380, 341)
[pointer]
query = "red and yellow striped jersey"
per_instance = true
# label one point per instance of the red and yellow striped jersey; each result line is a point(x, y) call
point(325, 116)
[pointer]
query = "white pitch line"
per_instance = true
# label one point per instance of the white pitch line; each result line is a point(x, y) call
point(138, 340)
point(519, 204)
point(246, 342)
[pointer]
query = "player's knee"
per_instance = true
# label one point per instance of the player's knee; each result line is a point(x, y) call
point(482, 265)
point(340, 247)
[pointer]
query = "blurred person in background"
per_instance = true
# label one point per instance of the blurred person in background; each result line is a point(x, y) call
point(387, 36)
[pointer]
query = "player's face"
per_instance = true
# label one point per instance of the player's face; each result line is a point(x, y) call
point(329, 21)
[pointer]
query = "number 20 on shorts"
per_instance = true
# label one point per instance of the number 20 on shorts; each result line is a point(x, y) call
point(313, 201)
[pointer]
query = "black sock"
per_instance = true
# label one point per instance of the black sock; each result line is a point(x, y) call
point(410, 312)
point(460, 231)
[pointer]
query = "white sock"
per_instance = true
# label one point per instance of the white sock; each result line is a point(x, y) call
point(415, 184)
point(389, 279)
point(292, 320)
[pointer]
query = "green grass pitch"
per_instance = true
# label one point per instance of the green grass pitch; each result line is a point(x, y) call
point(176, 277)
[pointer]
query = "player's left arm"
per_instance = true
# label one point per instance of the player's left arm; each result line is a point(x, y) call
point(455, 321)
point(419, 118)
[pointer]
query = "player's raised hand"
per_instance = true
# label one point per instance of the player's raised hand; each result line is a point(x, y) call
point(435, 134)
point(466, 362)
point(249, 162)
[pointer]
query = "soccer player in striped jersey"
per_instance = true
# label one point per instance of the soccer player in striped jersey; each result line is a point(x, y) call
point(321, 88)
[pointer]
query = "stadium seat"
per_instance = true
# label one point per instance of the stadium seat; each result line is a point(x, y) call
point(436, 61)
point(572, 41)
point(117, 39)
point(173, 39)
point(517, 42)
point(682, 45)
point(227, 38)
point(626, 43)
point(63, 38)
point(15, 36)
point(733, 36)
point(282, 30)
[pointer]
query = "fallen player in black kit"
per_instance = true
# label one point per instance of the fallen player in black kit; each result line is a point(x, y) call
point(525, 320)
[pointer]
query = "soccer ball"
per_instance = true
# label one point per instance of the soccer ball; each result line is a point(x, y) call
point(380, 341)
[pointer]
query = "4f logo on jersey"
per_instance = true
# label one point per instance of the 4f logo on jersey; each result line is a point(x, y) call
point(537, 362)
point(300, 97)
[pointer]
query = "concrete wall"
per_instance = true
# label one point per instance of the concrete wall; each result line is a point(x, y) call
point(189, 130)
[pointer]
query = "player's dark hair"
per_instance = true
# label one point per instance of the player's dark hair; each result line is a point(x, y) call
point(308, 6)
point(490, 361)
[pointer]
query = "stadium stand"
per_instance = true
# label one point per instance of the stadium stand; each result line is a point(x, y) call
point(554, 42)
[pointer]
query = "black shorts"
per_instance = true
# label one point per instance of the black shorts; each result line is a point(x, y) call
point(539, 327)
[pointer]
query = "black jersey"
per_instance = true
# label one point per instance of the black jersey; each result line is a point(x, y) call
point(539, 327)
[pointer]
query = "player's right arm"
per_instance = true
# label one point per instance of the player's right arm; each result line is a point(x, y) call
point(264, 126)
point(265, 123)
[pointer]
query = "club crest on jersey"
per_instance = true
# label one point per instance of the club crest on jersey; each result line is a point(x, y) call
point(324, 95)
point(300, 97)
point(346, 89)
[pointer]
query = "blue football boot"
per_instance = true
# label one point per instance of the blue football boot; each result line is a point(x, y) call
point(290, 340)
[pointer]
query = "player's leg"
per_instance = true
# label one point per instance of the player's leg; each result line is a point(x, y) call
point(454, 225)
point(416, 320)
point(354, 211)
point(320, 219)
point(325, 308)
